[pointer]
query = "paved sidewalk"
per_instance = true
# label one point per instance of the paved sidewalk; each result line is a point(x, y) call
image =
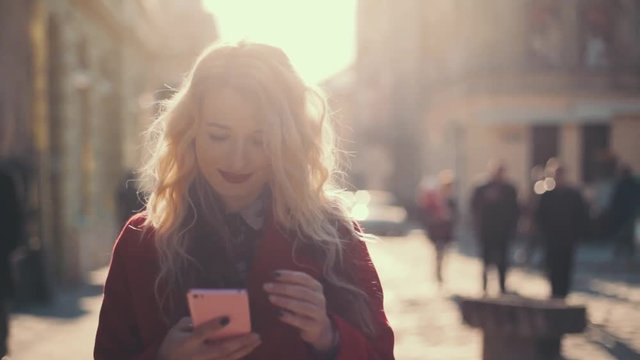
point(63, 330)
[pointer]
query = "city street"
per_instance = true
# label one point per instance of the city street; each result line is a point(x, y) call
point(428, 326)
point(219, 115)
point(425, 318)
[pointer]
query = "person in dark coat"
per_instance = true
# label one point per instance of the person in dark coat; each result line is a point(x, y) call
point(495, 213)
point(562, 218)
point(11, 228)
point(625, 205)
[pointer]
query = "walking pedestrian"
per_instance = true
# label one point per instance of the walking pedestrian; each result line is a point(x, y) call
point(625, 204)
point(438, 209)
point(494, 207)
point(562, 219)
point(241, 195)
point(11, 223)
point(532, 242)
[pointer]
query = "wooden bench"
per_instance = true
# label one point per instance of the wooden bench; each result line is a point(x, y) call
point(520, 328)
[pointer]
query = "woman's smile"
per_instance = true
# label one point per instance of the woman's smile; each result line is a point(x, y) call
point(234, 178)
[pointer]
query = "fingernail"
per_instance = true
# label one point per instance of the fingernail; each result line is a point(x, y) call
point(268, 286)
point(224, 321)
point(280, 313)
point(276, 274)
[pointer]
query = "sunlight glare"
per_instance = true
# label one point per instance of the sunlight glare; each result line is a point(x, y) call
point(363, 197)
point(360, 212)
point(318, 36)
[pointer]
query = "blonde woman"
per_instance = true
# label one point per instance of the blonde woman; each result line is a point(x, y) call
point(240, 178)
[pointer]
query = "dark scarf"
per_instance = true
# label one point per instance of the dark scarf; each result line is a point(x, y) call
point(212, 243)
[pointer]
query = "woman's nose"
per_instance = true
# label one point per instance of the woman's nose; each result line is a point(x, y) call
point(238, 156)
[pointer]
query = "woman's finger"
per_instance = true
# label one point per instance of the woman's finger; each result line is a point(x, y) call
point(224, 348)
point(184, 325)
point(244, 351)
point(300, 322)
point(296, 292)
point(298, 277)
point(206, 330)
point(298, 307)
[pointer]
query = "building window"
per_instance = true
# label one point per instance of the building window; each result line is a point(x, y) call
point(599, 20)
point(544, 139)
point(597, 160)
point(546, 43)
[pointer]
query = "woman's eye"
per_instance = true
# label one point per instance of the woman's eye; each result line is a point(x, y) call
point(257, 141)
point(217, 137)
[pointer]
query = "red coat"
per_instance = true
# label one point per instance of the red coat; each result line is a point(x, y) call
point(131, 325)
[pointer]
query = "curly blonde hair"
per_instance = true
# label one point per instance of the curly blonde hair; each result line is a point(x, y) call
point(301, 144)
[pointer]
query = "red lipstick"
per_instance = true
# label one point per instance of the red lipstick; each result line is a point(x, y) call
point(234, 178)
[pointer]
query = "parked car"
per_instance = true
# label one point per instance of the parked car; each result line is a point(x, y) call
point(378, 212)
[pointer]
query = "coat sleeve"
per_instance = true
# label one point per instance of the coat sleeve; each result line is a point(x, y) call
point(118, 336)
point(476, 208)
point(582, 215)
point(353, 343)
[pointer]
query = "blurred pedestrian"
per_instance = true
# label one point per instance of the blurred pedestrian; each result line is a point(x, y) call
point(625, 205)
point(11, 222)
point(601, 194)
point(528, 253)
point(562, 218)
point(242, 195)
point(128, 199)
point(495, 212)
point(438, 210)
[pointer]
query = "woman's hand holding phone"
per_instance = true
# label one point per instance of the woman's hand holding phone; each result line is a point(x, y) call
point(185, 342)
point(303, 304)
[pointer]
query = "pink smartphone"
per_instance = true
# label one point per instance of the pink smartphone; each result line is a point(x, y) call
point(208, 304)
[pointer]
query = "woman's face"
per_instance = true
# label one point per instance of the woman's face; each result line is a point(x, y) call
point(230, 148)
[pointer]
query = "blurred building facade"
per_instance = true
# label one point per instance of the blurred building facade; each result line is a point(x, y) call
point(388, 96)
point(517, 81)
point(88, 72)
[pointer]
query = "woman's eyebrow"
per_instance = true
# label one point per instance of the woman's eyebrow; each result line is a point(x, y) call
point(224, 127)
point(217, 125)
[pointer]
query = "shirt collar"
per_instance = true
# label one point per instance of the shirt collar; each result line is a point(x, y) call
point(254, 213)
